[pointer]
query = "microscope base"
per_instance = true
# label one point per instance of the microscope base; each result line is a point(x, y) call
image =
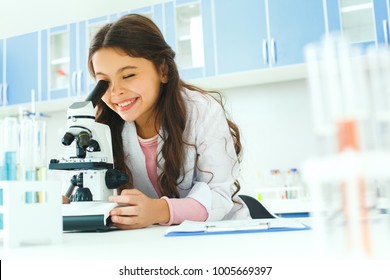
point(87, 216)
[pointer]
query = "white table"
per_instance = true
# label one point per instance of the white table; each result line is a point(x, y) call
point(150, 243)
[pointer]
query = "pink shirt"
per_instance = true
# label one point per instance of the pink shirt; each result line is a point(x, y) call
point(179, 209)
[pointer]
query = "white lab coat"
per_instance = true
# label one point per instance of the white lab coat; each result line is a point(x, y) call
point(207, 128)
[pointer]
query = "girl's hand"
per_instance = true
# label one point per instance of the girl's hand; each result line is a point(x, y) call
point(139, 211)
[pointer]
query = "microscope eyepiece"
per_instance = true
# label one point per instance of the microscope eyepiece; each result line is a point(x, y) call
point(67, 139)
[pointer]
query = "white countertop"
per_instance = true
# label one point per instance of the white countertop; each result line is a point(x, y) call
point(150, 243)
point(290, 255)
point(288, 206)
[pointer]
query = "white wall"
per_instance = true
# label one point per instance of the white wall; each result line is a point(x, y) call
point(23, 16)
point(275, 122)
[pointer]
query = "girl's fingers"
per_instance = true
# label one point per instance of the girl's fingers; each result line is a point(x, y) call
point(128, 196)
point(120, 226)
point(124, 220)
point(125, 199)
point(125, 211)
point(131, 192)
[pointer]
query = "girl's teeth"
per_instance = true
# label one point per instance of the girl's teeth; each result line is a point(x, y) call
point(126, 103)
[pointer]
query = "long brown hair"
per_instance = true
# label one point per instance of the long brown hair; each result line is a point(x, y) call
point(138, 36)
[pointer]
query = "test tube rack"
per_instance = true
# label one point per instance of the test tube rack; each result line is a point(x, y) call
point(360, 208)
point(31, 212)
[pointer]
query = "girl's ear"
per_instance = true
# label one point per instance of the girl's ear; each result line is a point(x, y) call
point(164, 73)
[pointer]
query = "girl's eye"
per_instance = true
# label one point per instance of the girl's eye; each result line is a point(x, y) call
point(128, 76)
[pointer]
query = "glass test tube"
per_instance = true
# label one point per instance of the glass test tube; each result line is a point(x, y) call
point(33, 150)
point(11, 133)
point(40, 149)
point(26, 166)
point(2, 154)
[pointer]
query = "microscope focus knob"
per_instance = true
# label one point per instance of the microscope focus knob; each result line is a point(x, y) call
point(81, 194)
point(115, 178)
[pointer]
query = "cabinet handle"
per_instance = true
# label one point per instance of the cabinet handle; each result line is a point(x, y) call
point(74, 83)
point(265, 51)
point(273, 51)
point(386, 32)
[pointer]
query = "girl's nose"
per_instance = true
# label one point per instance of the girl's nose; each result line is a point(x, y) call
point(115, 89)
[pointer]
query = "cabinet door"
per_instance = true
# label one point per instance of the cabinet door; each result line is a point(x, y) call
point(292, 25)
point(66, 60)
point(44, 46)
point(78, 58)
point(158, 16)
point(333, 16)
point(1, 60)
point(189, 39)
point(58, 63)
point(91, 28)
point(187, 30)
point(386, 25)
point(362, 22)
point(82, 46)
point(169, 26)
point(381, 21)
point(74, 57)
point(208, 37)
point(2, 66)
point(240, 34)
point(22, 67)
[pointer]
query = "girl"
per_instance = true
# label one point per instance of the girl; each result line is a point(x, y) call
point(173, 139)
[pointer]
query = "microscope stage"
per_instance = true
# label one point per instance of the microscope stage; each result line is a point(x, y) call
point(95, 165)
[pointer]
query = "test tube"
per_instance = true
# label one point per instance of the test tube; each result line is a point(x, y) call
point(40, 149)
point(26, 167)
point(10, 136)
point(33, 149)
point(2, 170)
point(378, 65)
point(351, 104)
point(2, 155)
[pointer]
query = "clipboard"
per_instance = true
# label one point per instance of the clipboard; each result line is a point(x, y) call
point(190, 228)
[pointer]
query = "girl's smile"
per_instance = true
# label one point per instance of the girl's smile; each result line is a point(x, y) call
point(126, 105)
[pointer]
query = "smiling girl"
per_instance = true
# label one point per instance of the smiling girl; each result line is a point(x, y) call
point(172, 139)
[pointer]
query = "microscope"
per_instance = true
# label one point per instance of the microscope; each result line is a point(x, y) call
point(91, 162)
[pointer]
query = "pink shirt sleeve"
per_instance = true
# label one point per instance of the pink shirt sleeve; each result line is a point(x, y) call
point(181, 209)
